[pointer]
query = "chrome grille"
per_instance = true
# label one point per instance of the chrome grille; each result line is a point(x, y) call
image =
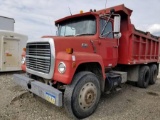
point(38, 56)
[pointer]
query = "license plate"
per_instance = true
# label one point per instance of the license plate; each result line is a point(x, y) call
point(50, 98)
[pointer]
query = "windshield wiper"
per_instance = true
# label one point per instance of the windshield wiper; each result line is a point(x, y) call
point(79, 34)
point(68, 35)
point(84, 34)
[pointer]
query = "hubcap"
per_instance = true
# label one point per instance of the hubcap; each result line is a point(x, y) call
point(87, 96)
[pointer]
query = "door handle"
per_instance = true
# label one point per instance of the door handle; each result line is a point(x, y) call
point(94, 47)
point(115, 46)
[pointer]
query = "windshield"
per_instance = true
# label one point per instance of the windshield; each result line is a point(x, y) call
point(78, 26)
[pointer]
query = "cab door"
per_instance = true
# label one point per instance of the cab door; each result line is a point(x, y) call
point(108, 44)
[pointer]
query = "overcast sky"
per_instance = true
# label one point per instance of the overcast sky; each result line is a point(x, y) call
point(35, 18)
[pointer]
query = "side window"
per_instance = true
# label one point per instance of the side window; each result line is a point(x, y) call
point(107, 33)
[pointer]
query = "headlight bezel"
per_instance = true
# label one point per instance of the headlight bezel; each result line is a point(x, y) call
point(64, 67)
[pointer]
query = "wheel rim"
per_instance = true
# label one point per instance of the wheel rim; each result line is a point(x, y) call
point(87, 96)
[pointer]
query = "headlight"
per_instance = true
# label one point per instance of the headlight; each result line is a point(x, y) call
point(61, 67)
point(23, 60)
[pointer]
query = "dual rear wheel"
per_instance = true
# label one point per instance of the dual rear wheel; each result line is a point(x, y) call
point(154, 73)
point(147, 75)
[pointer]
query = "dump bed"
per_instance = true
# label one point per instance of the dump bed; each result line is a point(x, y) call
point(135, 47)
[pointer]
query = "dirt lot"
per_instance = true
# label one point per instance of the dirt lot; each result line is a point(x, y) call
point(128, 104)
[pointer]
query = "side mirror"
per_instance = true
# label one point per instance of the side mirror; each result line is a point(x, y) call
point(117, 20)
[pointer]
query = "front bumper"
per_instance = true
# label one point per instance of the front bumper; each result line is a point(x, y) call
point(44, 91)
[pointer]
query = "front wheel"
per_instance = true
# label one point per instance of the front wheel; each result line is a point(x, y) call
point(82, 96)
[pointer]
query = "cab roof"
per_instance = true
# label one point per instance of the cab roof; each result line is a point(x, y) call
point(76, 15)
point(118, 9)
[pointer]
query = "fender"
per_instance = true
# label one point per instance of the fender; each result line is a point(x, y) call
point(75, 58)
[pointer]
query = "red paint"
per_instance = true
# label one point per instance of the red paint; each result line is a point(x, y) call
point(81, 57)
point(134, 47)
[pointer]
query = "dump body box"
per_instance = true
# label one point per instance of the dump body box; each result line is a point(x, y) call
point(11, 47)
point(135, 46)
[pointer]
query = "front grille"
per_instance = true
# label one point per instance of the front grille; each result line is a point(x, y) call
point(38, 56)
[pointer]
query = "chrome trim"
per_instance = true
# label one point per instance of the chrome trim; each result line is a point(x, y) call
point(38, 57)
point(23, 61)
point(64, 66)
point(52, 65)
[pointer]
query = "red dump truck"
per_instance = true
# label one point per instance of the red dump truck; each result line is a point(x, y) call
point(93, 52)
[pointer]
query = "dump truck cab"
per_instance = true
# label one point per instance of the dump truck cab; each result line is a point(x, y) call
point(95, 32)
point(86, 39)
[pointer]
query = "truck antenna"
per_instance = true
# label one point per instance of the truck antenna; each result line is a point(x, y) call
point(70, 10)
point(105, 5)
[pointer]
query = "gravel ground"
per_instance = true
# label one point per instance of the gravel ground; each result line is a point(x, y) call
point(128, 104)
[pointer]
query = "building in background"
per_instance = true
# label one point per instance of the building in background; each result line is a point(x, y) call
point(11, 46)
point(6, 23)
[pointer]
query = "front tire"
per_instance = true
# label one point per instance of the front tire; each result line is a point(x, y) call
point(82, 96)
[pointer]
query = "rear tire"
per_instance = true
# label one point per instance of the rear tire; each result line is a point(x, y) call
point(154, 73)
point(144, 77)
point(82, 96)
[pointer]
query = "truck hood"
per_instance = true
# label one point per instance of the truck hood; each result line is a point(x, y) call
point(79, 44)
